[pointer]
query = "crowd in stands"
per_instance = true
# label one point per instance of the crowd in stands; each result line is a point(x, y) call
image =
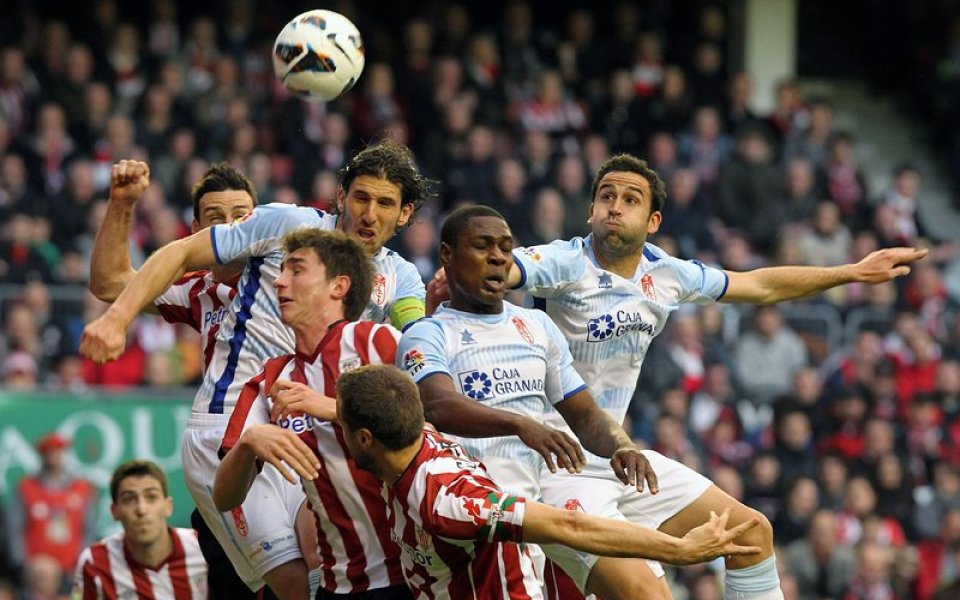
point(847, 438)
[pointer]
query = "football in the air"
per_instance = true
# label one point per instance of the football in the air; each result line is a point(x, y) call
point(318, 55)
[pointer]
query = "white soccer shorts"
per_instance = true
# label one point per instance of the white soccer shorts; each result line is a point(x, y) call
point(258, 536)
point(597, 491)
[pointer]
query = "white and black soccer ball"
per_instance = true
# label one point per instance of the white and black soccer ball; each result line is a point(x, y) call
point(318, 55)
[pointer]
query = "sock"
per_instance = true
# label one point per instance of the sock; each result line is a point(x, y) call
point(756, 582)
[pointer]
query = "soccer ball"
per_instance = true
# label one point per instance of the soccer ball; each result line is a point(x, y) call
point(318, 55)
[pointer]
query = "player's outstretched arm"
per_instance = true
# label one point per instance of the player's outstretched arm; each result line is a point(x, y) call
point(453, 413)
point(105, 338)
point(267, 443)
point(110, 268)
point(601, 434)
point(544, 524)
point(777, 284)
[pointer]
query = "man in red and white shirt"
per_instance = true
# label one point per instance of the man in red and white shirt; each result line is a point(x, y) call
point(148, 560)
point(324, 286)
point(460, 535)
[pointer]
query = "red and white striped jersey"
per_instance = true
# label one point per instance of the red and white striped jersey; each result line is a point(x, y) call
point(351, 515)
point(458, 531)
point(201, 302)
point(107, 571)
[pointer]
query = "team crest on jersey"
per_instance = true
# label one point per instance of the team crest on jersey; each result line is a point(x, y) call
point(476, 385)
point(240, 521)
point(413, 361)
point(350, 364)
point(574, 504)
point(424, 539)
point(531, 253)
point(605, 281)
point(379, 294)
point(646, 284)
point(522, 329)
point(466, 338)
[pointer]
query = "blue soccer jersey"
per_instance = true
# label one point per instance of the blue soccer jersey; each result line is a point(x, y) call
point(252, 331)
point(608, 320)
point(516, 360)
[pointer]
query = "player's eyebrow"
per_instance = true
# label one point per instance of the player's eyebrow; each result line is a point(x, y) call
point(632, 188)
point(296, 260)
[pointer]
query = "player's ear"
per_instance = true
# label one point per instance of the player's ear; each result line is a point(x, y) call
point(168, 507)
point(653, 223)
point(340, 199)
point(406, 213)
point(365, 438)
point(341, 285)
point(195, 226)
point(113, 511)
point(590, 214)
point(446, 253)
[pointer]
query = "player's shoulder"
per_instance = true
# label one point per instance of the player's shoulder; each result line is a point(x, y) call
point(190, 277)
point(290, 212)
point(655, 254)
point(432, 325)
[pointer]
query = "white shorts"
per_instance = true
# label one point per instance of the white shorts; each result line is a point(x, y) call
point(597, 491)
point(260, 534)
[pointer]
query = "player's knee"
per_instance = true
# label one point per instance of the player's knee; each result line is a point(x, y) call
point(639, 590)
point(760, 535)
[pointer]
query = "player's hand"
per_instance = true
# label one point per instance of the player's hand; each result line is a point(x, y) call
point(713, 539)
point(550, 442)
point(290, 397)
point(282, 449)
point(128, 180)
point(103, 339)
point(883, 265)
point(633, 468)
point(438, 290)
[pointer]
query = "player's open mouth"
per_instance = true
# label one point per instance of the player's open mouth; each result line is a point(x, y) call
point(366, 234)
point(494, 282)
point(281, 300)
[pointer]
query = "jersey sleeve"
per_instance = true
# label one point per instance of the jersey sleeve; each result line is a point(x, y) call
point(422, 350)
point(178, 303)
point(699, 284)
point(562, 379)
point(258, 233)
point(85, 579)
point(253, 408)
point(382, 345)
point(545, 270)
point(470, 506)
point(409, 303)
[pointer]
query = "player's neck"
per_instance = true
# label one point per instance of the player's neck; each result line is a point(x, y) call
point(309, 335)
point(624, 266)
point(463, 304)
point(394, 463)
point(153, 554)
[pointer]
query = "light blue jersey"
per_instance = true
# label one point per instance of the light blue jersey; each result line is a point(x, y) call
point(252, 331)
point(609, 321)
point(516, 360)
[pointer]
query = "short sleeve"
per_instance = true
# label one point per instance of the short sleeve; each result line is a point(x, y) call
point(472, 507)
point(408, 303)
point(258, 233)
point(421, 352)
point(85, 579)
point(699, 283)
point(253, 408)
point(562, 379)
point(176, 304)
point(546, 269)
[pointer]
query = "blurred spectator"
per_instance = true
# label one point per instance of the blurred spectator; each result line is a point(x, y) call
point(939, 557)
point(20, 261)
point(763, 490)
point(902, 198)
point(811, 143)
point(44, 579)
point(547, 217)
point(794, 449)
point(705, 148)
point(936, 500)
point(832, 474)
point(802, 500)
point(768, 356)
point(871, 579)
point(686, 216)
point(843, 181)
point(827, 242)
point(748, 182)
point(54, 512)
point(859, 504)
point(821, 566)
point(419, 246)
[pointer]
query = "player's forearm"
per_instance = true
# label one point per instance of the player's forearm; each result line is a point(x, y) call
point(164, 266)
point(778, 284)
point(454, 414)
point(110, 268)
point(234, 477)
point(599, 433)
point(544, 524)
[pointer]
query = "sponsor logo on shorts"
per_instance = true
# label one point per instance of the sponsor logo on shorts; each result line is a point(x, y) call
point(274, 545)
point(573, 504)
point(240, 521)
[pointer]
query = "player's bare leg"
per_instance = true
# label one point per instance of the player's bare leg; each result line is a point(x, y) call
point(626, 579)
point(307, 536)
point(748, 577)
point(289, 580)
